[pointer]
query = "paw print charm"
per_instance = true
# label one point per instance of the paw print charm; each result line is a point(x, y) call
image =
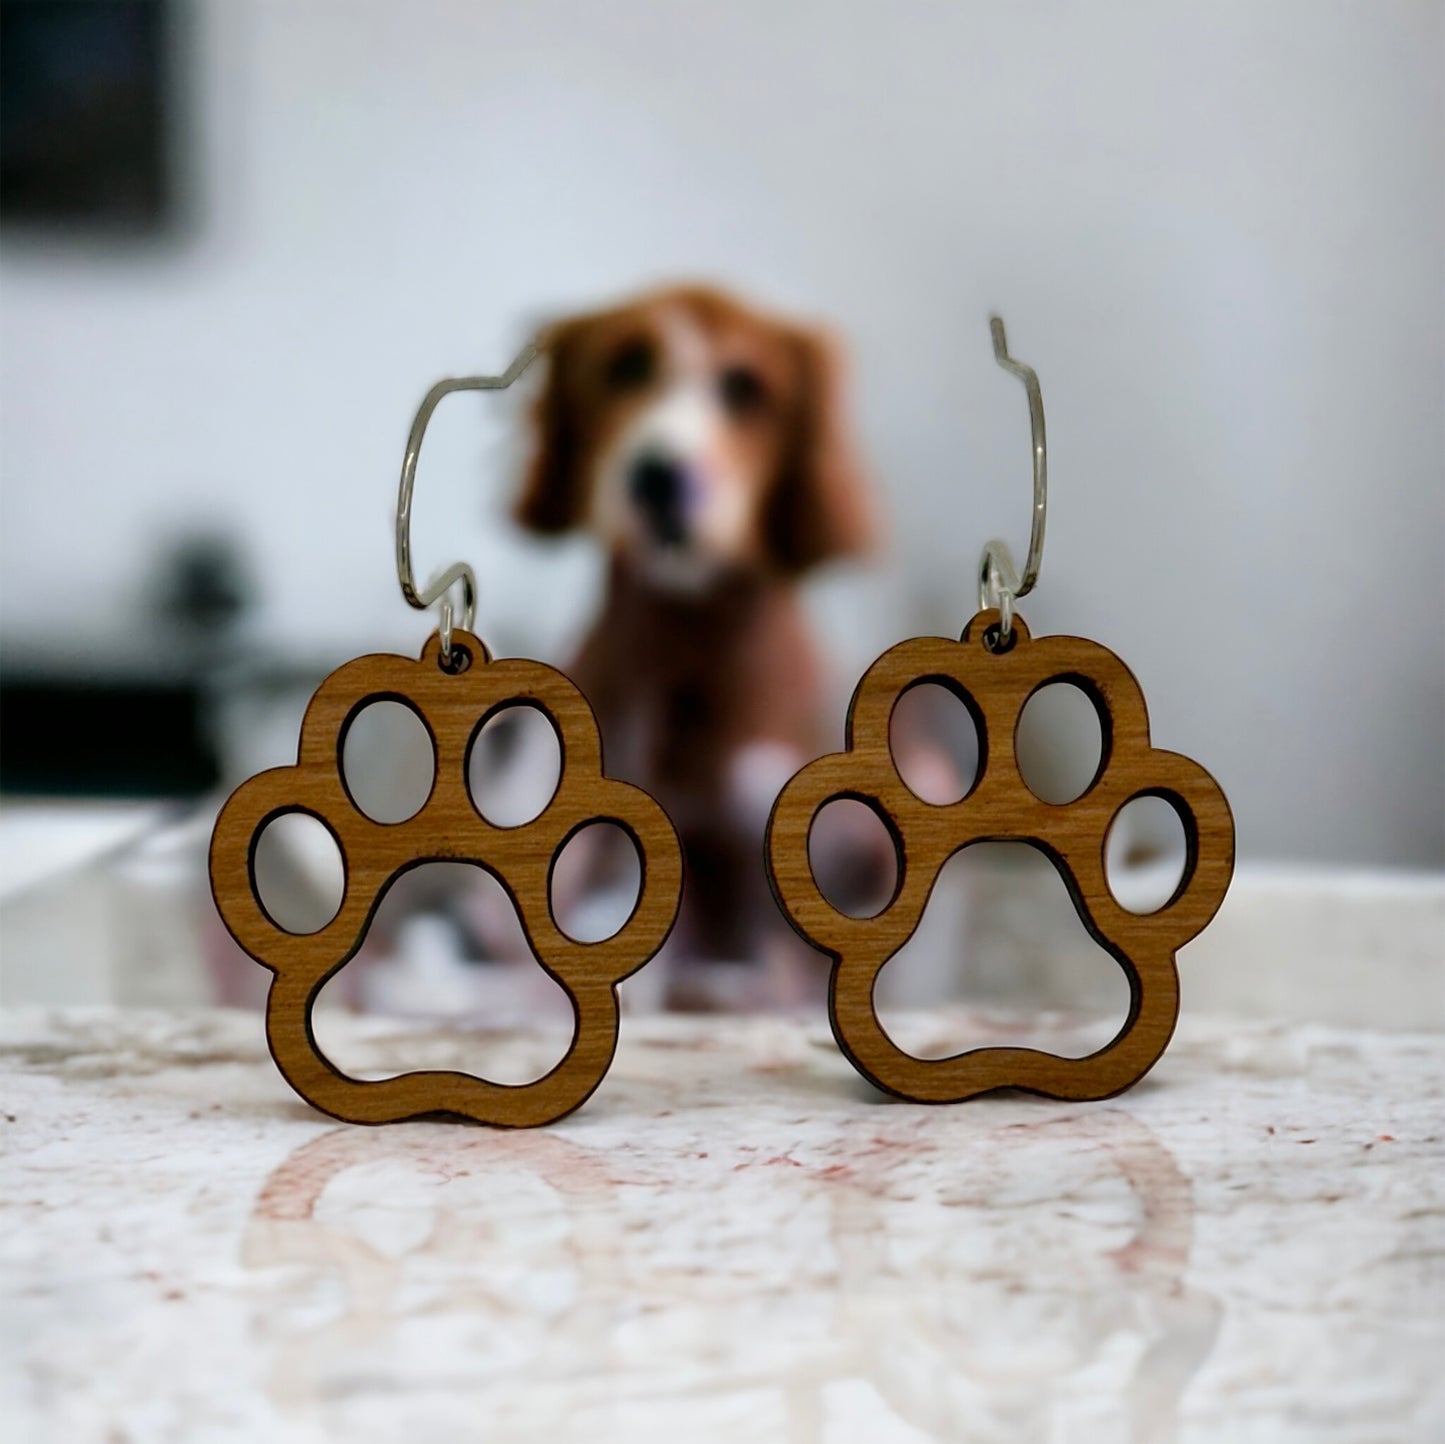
point(454, 703)
point(995, 684)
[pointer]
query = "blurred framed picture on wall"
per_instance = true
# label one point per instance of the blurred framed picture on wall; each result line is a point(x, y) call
point(84, 114)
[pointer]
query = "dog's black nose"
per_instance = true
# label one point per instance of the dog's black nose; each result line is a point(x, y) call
point(659, 490)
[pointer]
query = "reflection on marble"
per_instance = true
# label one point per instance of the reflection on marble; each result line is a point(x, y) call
point(734, 1240)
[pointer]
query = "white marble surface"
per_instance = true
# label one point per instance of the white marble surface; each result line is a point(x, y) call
point(734, 1240)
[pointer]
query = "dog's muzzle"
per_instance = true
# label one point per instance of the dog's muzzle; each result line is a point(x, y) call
point(659, 487)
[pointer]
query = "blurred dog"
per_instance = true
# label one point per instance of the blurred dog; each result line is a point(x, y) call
point(702, 441)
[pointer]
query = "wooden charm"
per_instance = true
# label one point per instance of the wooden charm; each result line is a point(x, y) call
point(994, 685)
point(454, 703)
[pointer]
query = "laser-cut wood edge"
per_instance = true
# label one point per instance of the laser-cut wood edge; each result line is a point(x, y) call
point(448, 827)
point(1000, 807)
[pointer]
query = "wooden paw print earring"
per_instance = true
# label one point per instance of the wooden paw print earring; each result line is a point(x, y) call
point(455, 688)
point(994, 669)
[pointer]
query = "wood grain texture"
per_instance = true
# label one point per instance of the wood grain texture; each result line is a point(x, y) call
point(994, 687)
point(448, 827)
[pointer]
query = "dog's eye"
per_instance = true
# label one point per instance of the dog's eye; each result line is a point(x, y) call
point(742, 389)
point(631, 366)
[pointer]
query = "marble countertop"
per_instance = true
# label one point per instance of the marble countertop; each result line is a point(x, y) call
point(734, 1240)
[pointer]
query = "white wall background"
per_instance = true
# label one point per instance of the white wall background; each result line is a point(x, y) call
point(1217, 231)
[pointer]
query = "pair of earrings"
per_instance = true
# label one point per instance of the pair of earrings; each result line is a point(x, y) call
point(456, 687)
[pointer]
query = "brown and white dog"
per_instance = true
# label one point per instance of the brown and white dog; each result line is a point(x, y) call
point(703, 443)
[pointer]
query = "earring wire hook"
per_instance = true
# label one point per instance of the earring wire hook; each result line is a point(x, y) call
point(439, 588)
point(999, 583)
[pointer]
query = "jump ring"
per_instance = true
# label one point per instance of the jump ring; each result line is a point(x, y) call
point(444, 630)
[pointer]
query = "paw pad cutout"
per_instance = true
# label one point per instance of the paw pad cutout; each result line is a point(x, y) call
point(1000, 807)
point(448, 827)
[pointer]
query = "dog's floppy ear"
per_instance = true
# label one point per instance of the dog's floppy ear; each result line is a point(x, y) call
point(552, 499)
point(819, 507)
